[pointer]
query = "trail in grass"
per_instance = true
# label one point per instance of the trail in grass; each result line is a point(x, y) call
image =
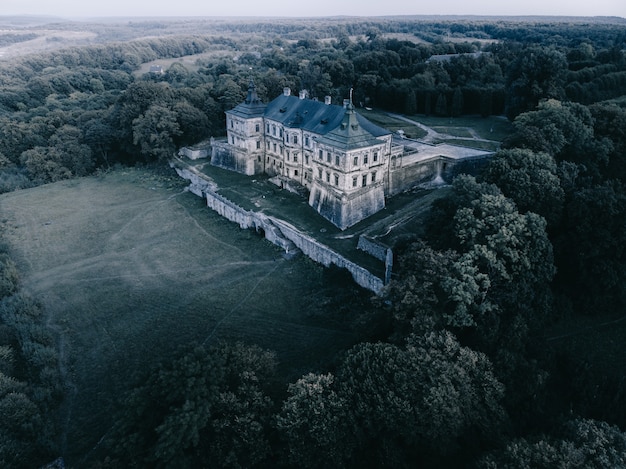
point(244, 299)
point(209, 235)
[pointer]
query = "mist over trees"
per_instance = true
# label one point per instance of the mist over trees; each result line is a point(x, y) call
point(462, 373)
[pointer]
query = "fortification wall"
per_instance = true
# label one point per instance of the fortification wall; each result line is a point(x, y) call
point(277, 231)
point(373, 248)
point(407, 177)
point(344, 212)
point(229, 157)
point(326, 256)
point(378, 251)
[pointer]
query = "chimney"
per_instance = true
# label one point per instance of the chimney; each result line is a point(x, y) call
point(303, 94)
point(287, 91)
point(327, 100)
point(345, 103)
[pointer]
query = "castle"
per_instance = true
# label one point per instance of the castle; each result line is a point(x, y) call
point(347, 164)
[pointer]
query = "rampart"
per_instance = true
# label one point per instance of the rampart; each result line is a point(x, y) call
point(277, 231)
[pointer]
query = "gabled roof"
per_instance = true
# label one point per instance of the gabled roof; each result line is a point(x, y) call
point(251, 107)
point(351, 133)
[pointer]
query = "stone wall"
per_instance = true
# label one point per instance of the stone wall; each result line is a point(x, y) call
point(194, 153)
point(410, 176)
point(378, 251)
point(277, 231)
point(326, 256)
point(344, 211)
point(230, 157)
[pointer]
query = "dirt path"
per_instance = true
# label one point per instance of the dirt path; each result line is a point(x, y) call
point(432, 136)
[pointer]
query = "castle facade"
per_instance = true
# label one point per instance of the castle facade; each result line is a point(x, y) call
point(347, 164)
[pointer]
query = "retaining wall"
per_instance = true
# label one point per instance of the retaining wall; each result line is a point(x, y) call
point(277, 231)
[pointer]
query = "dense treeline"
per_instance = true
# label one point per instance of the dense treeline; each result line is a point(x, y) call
point(30, 381)
point(456, 368)
point(93, 96)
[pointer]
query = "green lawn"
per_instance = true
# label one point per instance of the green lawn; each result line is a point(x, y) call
point(489, 128)
point(129, 267)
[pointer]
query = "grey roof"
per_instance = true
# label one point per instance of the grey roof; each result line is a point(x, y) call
point(351, 133)
point(315, 116)
point(251, 107)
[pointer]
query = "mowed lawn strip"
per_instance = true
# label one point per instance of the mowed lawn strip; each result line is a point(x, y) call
point(129, 267)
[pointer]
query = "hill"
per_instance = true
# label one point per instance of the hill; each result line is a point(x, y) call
point(129, 267)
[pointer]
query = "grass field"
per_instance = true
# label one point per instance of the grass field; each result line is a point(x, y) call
point(129, 267)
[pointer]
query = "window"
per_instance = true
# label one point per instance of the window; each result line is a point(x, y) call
point(280, 132)
point(306, 141)
point(306, 159)
point(354, 181)
point(258, 144)
point(337, 160)
point(232, 140)
point(287, 171)
point(328, 157)
point(287, 138)
point(295, 157)
point(365, 159)
point(287, 155)
point(258, 158)
point(336, 180)
point(295, 172)
point(268, 128)
point(364, 180)
point(327, 177)
point(274, 148)
point(374, 176)
point(375, 156)
point(257, 127)
point(321, 154)
point(319, 172)
point(274, 130)
point(268, 145)
point(356, 161)
point(232, 124)
point(295, 139)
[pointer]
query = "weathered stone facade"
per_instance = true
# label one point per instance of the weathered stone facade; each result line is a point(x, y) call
point(347, 164)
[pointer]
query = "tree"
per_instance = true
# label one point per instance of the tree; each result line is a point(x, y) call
point(610, 123)
point(530, 179)
point(413, 404)
point(43, 166)
point(457, 102)
point(204, 405)
point(194, 124)
point(590, 249)
point(155, 132)
point(565, 131)
point(316, 423)
point(536, 73)
point(578, 443)
point(70, 152)
point(513, 249)
point(441, 108)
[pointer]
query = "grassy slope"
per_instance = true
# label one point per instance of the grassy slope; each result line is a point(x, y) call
point(129, 267)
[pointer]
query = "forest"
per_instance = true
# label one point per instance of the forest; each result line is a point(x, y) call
point(459, 362)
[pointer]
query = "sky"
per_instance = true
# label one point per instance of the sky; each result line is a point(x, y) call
point(82, 8)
